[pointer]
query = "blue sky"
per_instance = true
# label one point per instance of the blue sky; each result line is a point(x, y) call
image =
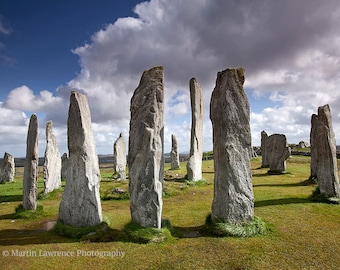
point(289, 49)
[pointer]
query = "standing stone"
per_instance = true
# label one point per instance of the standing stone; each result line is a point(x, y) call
point(194, 165)
point(80, 205)
point(174, 153)
point(264, 138)
point(277, 152)
point(146, 149)
point(7, 169)
point(119, 153)
point(52, 163)
point(313, 147)
point(31, 166)
point(327, 170)
point(230, 115)
point(65, 166)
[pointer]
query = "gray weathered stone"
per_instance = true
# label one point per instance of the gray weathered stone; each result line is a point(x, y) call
point(119, 157)
point(277, 152)
point(52, 161)
point(313, 147)
point(146, 149)
point(194, 165)
point(230, 115)
point(264, 138)
point(80, 205)
point(31, 166)
point(7, 169)
point(65, 166)
point(327, 170)
point(174, 153)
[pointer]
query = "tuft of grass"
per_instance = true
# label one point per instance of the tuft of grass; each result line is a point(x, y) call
point(81, 233)
point(143, 235)
point(317, 196)
point(55, 194)
point(198, 183)
point(252, 228)
point(21, 213)
point(114, 194)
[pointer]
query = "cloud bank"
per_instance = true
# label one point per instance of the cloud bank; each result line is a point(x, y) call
point(289, 49)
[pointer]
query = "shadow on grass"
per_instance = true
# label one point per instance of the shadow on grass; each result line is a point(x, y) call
point(11, 237)
point(283, 201)
point(11, 198)
point(307, 182)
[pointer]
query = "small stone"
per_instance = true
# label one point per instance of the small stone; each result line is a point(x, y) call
point(119, 153)
point(278, 152)
point(7, 169)
point(174, 153)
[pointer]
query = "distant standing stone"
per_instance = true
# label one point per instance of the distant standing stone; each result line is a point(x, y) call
point(313, 147)
point(31, 166)
point(65, 166)
point(230, 115)
point(174, 153)
point(277, 152)
point(194, 165)
point(80, 205)
point(119, 159)
point(52, 161)
point(264, 138)
point(146, 149)
point(327, 169)
point(7, 169)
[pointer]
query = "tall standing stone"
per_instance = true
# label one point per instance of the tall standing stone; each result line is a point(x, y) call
point(52, 161)
point(327, 170)
point(230, 115)
point(194, 165)
point(7, 169)
point(80, 205)
point(277, 152)
point(31, 166)
point(174, 155)
point(65, 166)
point(146, 149)
point(264, 138)
point(313, 147)
point(119, 153)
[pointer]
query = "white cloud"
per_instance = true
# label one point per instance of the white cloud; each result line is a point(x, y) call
point(289, 49)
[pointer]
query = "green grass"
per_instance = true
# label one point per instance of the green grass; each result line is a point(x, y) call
point(303, 234)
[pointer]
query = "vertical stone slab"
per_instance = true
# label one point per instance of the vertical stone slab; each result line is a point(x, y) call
point(52, 161)
point(80, 205)
point(327, 170)
point(194, 165)
point(313, 147)
point(174, 155)
point(31, 166)
point(119, 157)
point(264, 137)
point(277, 152)
point(146, 149)
point(7, 169)
point(230, 115)
point(65, 166)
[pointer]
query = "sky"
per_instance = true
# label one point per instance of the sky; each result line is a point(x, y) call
point(290, 51)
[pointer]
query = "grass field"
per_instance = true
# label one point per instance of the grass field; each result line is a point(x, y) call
point(303, 234)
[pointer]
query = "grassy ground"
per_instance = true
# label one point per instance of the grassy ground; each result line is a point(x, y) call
point(304, 235)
